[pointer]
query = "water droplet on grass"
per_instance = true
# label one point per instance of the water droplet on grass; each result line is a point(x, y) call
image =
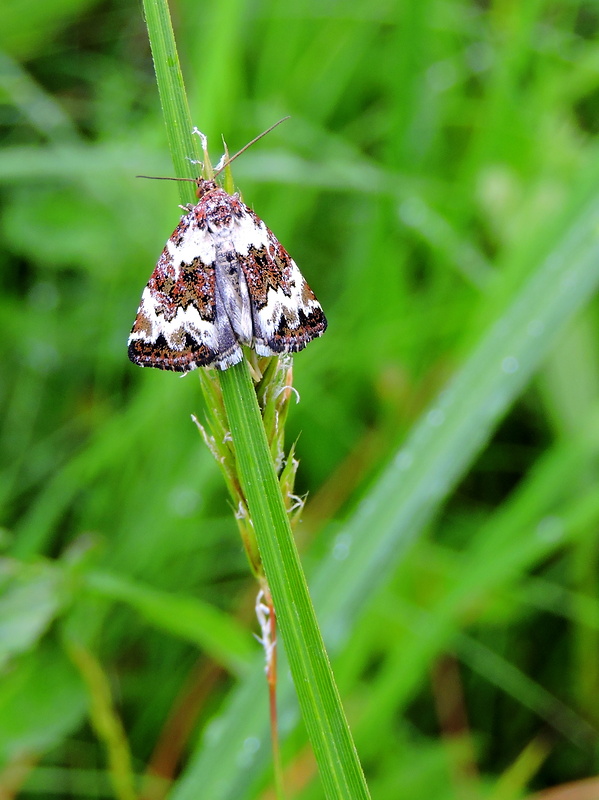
point(341, 546)
point(510, 365)
point(550, 529)
point(435, 417)
point(535, 328)
point(404, 460)
point(184, 501)
point(249, 748)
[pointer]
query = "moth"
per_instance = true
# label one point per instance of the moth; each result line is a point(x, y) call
point(223, 281)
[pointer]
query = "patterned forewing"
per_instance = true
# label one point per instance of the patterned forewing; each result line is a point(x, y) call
point(222, 280)
point(286, 314)
point(178, 326)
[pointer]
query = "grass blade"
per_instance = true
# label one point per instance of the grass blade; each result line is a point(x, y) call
point(319, 700)
point(329, 733)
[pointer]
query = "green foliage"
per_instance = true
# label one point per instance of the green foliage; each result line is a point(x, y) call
point(437, 184)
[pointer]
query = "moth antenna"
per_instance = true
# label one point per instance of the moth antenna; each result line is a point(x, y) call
point(225, 163)
point(160, 178)
point(249, 144)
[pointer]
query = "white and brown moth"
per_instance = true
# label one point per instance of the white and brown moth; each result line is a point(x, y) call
point(223, 280)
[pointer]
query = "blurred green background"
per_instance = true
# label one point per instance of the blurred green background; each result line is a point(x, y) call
point(439, 157)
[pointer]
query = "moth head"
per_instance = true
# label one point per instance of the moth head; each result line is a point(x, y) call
point(204, 186)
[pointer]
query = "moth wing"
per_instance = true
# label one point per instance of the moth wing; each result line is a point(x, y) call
point(285, 312)
point(178, 325)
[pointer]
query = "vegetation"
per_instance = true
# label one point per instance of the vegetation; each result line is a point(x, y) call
point(437, 183)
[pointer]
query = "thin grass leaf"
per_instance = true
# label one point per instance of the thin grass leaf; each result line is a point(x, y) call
point(329, 733)
point(319, 699)
point(173, 98)
point(105, 720)
point(180, 615)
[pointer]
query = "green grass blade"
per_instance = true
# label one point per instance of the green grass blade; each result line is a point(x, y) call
point(329, 733)
point(319, 700)
point(173, 98)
